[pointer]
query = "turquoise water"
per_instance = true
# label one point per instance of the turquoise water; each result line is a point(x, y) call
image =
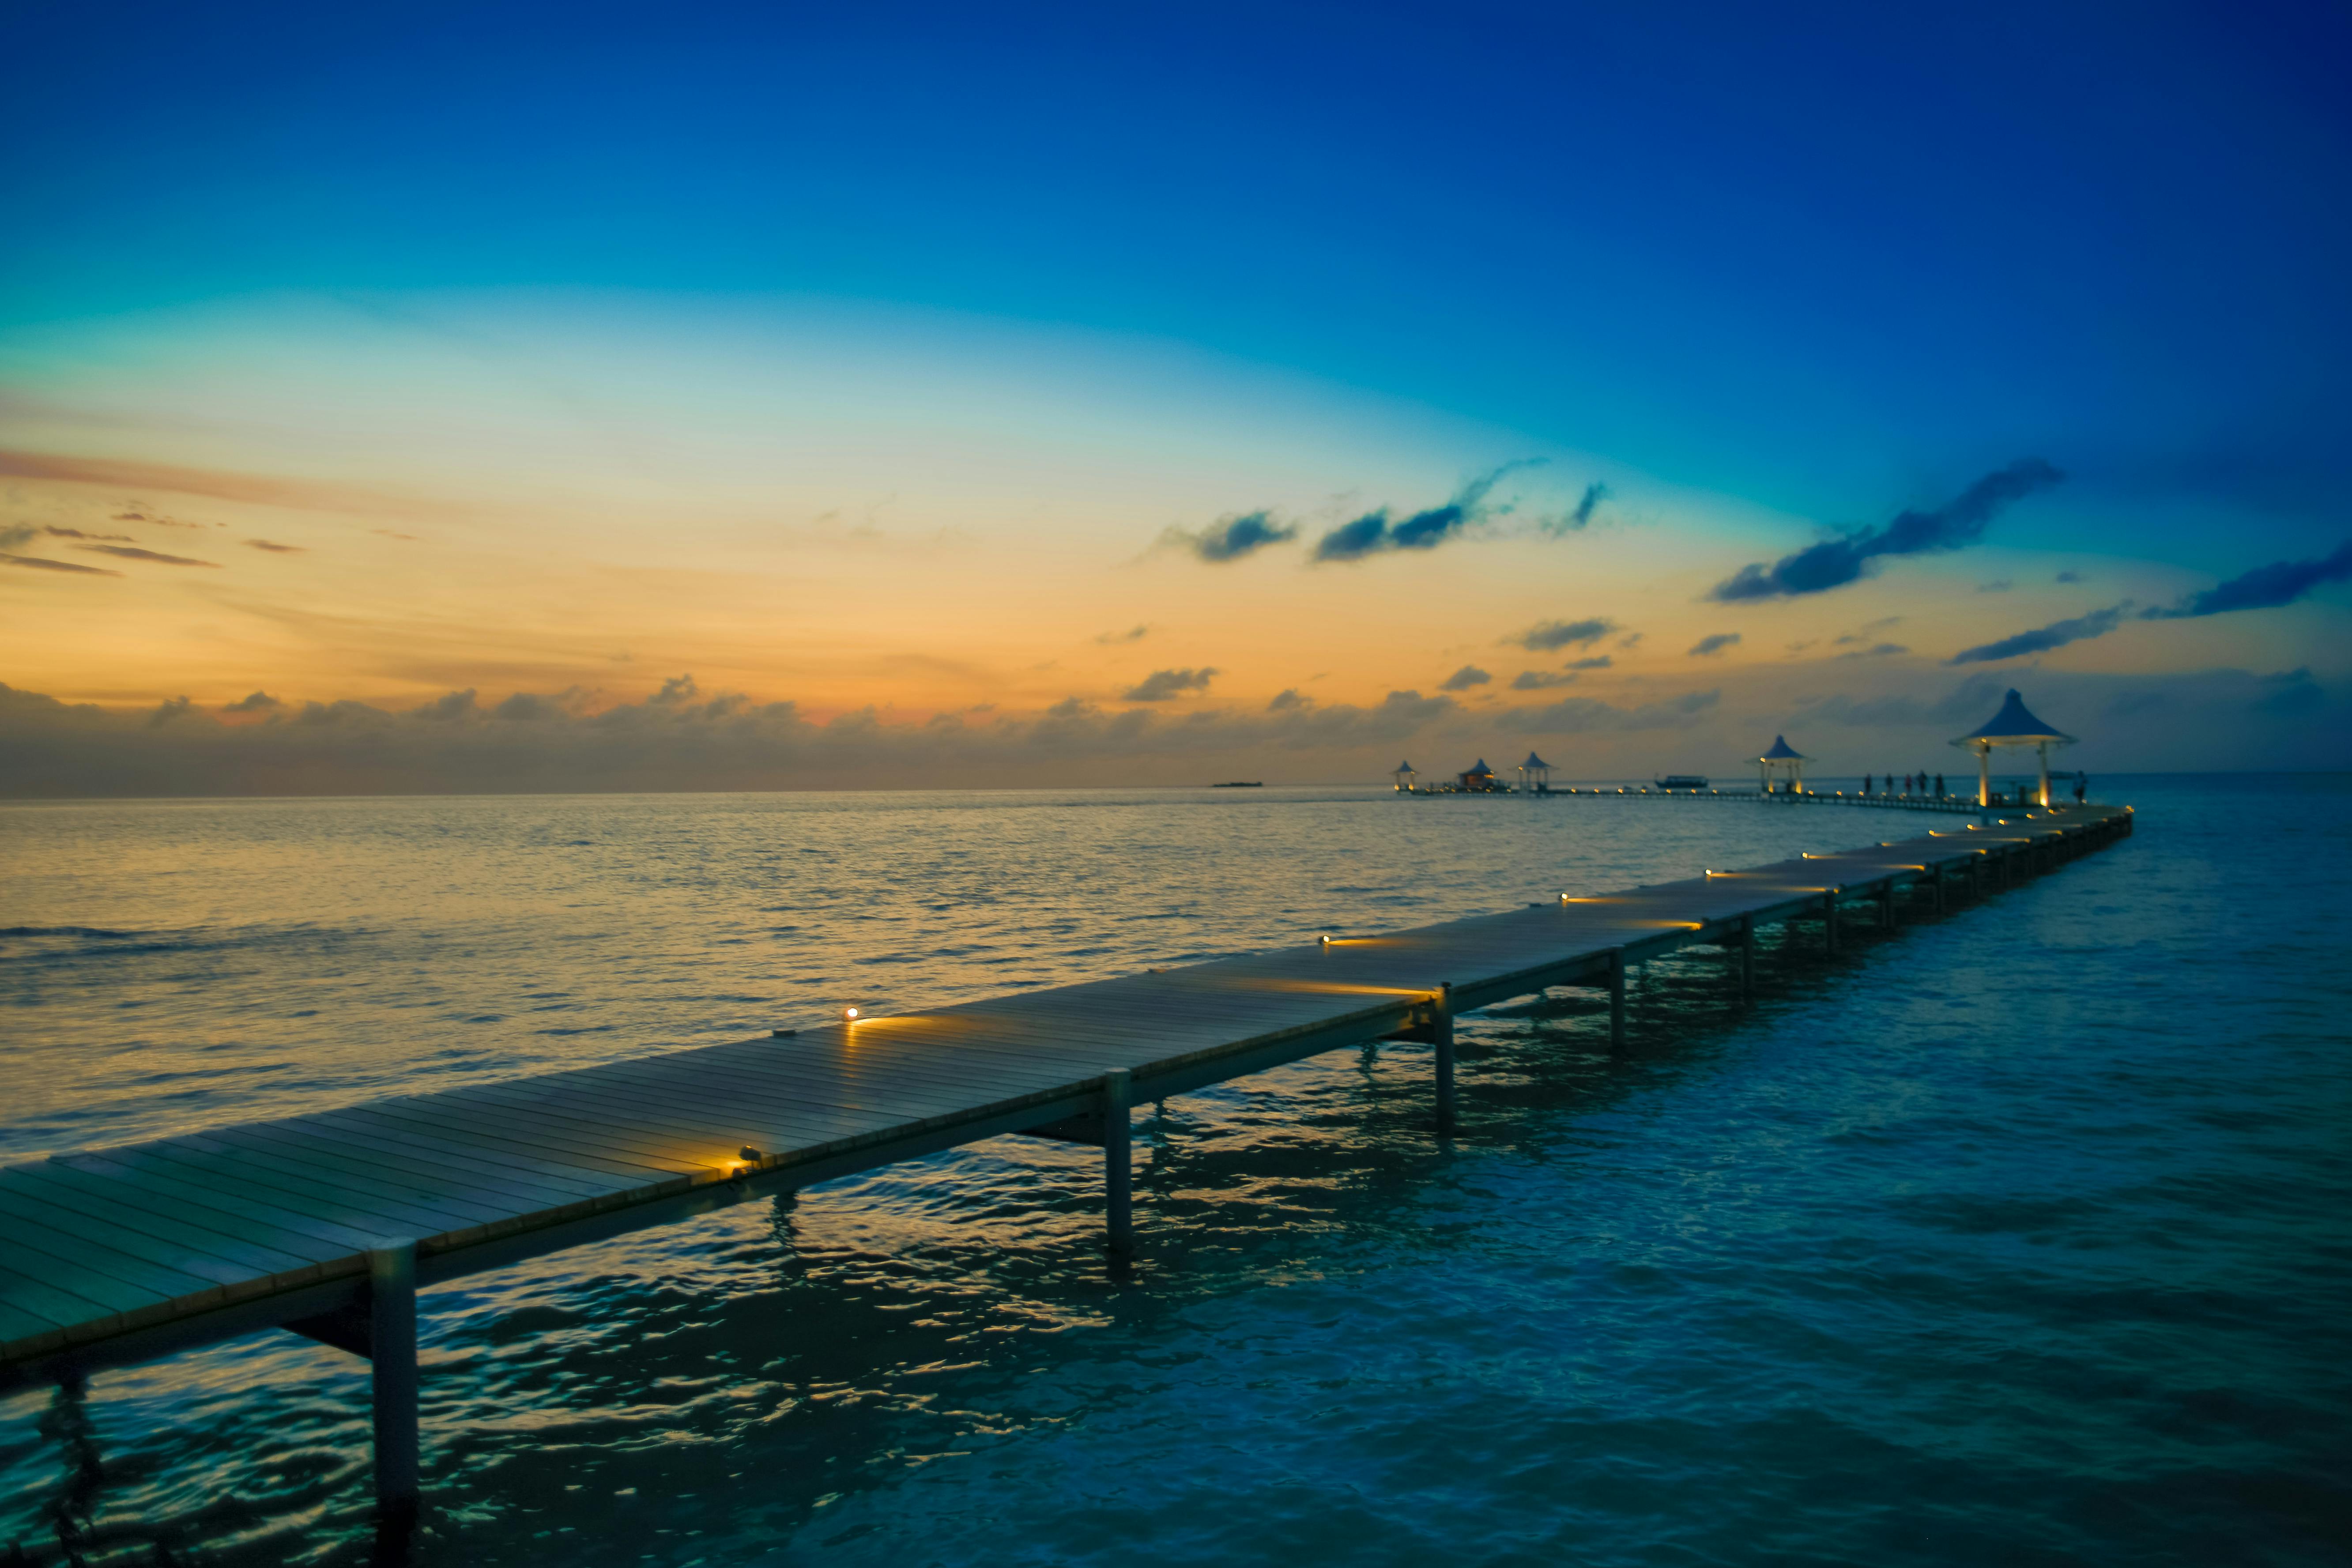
point(2019, 1236)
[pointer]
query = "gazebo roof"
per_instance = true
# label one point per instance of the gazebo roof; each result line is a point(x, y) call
point(1534, 761)
point(1481, 767)
point(2014, 726)
point(1781, 752)
point(1403, 768)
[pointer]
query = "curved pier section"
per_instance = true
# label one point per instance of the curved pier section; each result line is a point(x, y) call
point(328, 1224)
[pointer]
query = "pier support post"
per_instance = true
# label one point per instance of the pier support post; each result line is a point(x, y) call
point(1119, 1166)
point(1830, 918)
point(1441, 1035)
point(1746, 956)
point(391, 1347)
point(1616, 998)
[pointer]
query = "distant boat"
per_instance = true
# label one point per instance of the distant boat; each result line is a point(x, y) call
point(1241, 783)
point(1681, 781)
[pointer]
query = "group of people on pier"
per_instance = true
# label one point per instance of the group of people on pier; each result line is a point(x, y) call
point(1913, 783)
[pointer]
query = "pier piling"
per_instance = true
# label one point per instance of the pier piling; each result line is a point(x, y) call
point(392, 1350)
point(1119, 1165)
point(1441, 1035)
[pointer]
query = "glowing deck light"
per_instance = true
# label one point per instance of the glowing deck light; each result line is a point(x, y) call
point(1324, 941)
point(850, 1015)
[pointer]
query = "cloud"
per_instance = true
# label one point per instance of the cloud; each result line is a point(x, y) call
point(458, 705)
point(1706, 647)
point(132, 553)
point(675, 690)
point(54, 531)
point(1461, 680)
point(1134, 634)
point(167, 710)
point(276, 549)
point(1574, 715)
point(1538, 680)
point(1230, 538)
point(1546, 635)
point(1997, 586)
point(253, 702)
point(1373, 532)
point(36, 563)
point(1162, 684)
point(2068, 577)
point(2291, 692)
point(261, 488)
point(2264, 588)
point(1286, 700)
point(393, 533)
point(1836, 561)
point(1586, 504)
point(1597, 661)
point(2057, 634)
point(1876, 650)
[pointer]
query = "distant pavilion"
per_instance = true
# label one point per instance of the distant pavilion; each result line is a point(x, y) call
point(2012, 726)
point(1479, 779)
point(1535, 774)
point(1782, 757)
point(1404, 776)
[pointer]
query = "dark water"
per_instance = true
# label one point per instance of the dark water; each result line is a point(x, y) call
point(2025, 1236)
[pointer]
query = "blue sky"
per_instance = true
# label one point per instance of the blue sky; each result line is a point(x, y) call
point(1819, 262)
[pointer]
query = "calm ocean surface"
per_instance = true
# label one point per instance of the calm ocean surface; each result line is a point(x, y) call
point(2021, 1238)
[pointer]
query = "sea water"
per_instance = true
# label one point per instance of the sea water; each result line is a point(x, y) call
point(2022, 1236)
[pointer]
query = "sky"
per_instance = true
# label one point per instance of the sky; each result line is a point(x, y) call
point(487, 397)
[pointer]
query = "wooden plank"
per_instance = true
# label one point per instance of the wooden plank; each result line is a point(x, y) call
point(19, 1216)
point(64, 1308)
point(136, 1167)
point(231, 1233)
point(111, 1278)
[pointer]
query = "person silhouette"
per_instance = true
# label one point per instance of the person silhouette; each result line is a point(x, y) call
point(2082, 787)
point(1865, 782)
point(1939, 787)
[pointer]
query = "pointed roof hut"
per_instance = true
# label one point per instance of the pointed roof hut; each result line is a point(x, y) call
point(1479, 779)
point(1535, 774)
point(2015, 725)
point(1783, 755)
point(1404, 776)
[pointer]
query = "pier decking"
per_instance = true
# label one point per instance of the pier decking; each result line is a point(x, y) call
point(328, 1224)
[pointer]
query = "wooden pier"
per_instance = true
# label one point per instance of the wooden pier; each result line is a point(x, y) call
point(329, 1224)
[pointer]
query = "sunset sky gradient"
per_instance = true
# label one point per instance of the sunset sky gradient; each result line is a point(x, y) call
point(442, 398)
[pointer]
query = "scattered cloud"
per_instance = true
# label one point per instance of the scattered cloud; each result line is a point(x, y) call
point(2291, 693)
point(2057, 634)
point(132, 553)
point(1538, 680)
point(1546, 635)
point(54, 531)
point(38, 564)
point(1287, 700)
point(254, 702)
point(1579, 515)
point(264, 489)
point(1230, 538)
point(168, 710)
point(393, 533)
point(276, 549)
point(1373, 532)
point(1708, 646)
point(1630, 640)
point(1572, 715)
point(1463, 679)
point(1834, 562)
point(1111, 639)
point(2068, 577)
point(2267, 587)
point(1997, 586)
point(1876, 650)
point(1162, 684)
point(154, 518)
point(1597, 661)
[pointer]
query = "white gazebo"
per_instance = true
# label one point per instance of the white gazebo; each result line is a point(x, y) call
point(1404, 776)
point(1783, 755)
point(1535, 775)
point(2012, 726)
